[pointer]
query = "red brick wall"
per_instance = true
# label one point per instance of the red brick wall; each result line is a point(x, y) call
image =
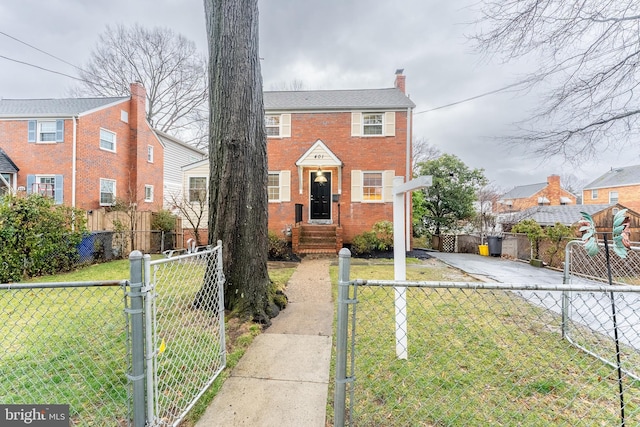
point(37, 159)
point(628, 195)
point(361, 153)
point(128, 165)
point(553, 192)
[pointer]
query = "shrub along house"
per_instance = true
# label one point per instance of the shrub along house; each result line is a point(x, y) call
point(332, 157)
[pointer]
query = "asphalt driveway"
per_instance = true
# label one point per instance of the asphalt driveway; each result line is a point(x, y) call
point(591, 309)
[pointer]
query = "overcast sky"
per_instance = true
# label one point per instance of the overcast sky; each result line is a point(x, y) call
point(329, 44)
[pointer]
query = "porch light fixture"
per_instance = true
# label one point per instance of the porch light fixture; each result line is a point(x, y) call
point(320, 178)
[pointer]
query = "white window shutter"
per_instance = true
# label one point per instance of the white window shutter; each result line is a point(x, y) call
point(285, 126)
point(356, 123)
point(356, 185)
point(387, 185)
point(390, 123)
point(285, 186)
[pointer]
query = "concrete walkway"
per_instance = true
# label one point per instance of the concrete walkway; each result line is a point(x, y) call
point(283, 378)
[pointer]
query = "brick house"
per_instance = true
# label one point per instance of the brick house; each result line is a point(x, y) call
point(619, 185)
point(332, 157)
point(548, 193)
point(84, 152)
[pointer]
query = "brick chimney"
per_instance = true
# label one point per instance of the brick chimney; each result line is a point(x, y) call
point(138, 105)
point(137, 121)
point(554, 181)
point(400, 80)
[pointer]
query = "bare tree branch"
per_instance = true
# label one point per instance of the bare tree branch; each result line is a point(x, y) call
point(589, 52)
point(167, 64)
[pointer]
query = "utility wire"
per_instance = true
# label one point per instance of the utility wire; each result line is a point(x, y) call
point(40, 50)
point(475, 97)
point(42, 68)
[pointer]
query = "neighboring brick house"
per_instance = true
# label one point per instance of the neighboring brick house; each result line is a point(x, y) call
point(548, 193)
point(332, 157)
point(619, 185)
point(84, 152)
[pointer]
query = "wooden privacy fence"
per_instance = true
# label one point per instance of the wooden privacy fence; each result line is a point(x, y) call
point(133, 231)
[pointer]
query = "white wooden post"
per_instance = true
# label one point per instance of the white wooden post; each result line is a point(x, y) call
point(399, 256)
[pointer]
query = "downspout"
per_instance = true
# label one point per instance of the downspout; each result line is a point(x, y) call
point(73, 163)
point(408, 220)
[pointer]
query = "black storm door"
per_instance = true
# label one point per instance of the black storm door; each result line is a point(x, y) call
point(321, 197)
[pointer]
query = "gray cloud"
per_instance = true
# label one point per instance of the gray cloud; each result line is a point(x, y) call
point(333, 44)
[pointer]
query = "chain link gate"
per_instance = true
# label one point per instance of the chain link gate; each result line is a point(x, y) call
point(185, 343)
point(480, 354)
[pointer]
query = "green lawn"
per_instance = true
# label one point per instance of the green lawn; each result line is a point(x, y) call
point(476, 358)
point(68, 346)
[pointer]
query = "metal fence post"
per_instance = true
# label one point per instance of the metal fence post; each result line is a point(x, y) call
point(137, 338)
point(566, 278)
point(339, 402)
point(150, 339)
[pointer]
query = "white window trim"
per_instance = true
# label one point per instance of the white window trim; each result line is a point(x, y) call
point(189, 188)
point(284, 186)
point(357, 186)
point(150, 187)
point(115, 145)
point(382, 124)
point(149, 153)
point(39, 131)
point(100, 191)
point(617, 197)
point(388, 123)
point(284, 126)
point(594, 194)
point(53, 189)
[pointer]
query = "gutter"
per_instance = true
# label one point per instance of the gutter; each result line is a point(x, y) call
point(73, 162)
point(408, 177)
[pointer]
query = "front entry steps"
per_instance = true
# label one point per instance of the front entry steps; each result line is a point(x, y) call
point(316, 239)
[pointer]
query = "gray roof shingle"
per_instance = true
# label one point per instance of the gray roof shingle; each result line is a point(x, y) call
point(6, 164)
point(337, 99)
point(15, 108)
point(550, 215)
point(616, 177)
point(524, 191)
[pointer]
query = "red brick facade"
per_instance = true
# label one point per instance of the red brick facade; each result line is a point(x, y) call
point(127, 165)
point(626, 195)
point(324, 140)
point(551, 194)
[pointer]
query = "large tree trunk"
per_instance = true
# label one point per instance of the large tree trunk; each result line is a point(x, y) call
point(238, 154)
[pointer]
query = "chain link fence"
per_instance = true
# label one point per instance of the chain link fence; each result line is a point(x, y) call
point(484, 354)
point(186, 296)
point(134, 352)
point(66, 343)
